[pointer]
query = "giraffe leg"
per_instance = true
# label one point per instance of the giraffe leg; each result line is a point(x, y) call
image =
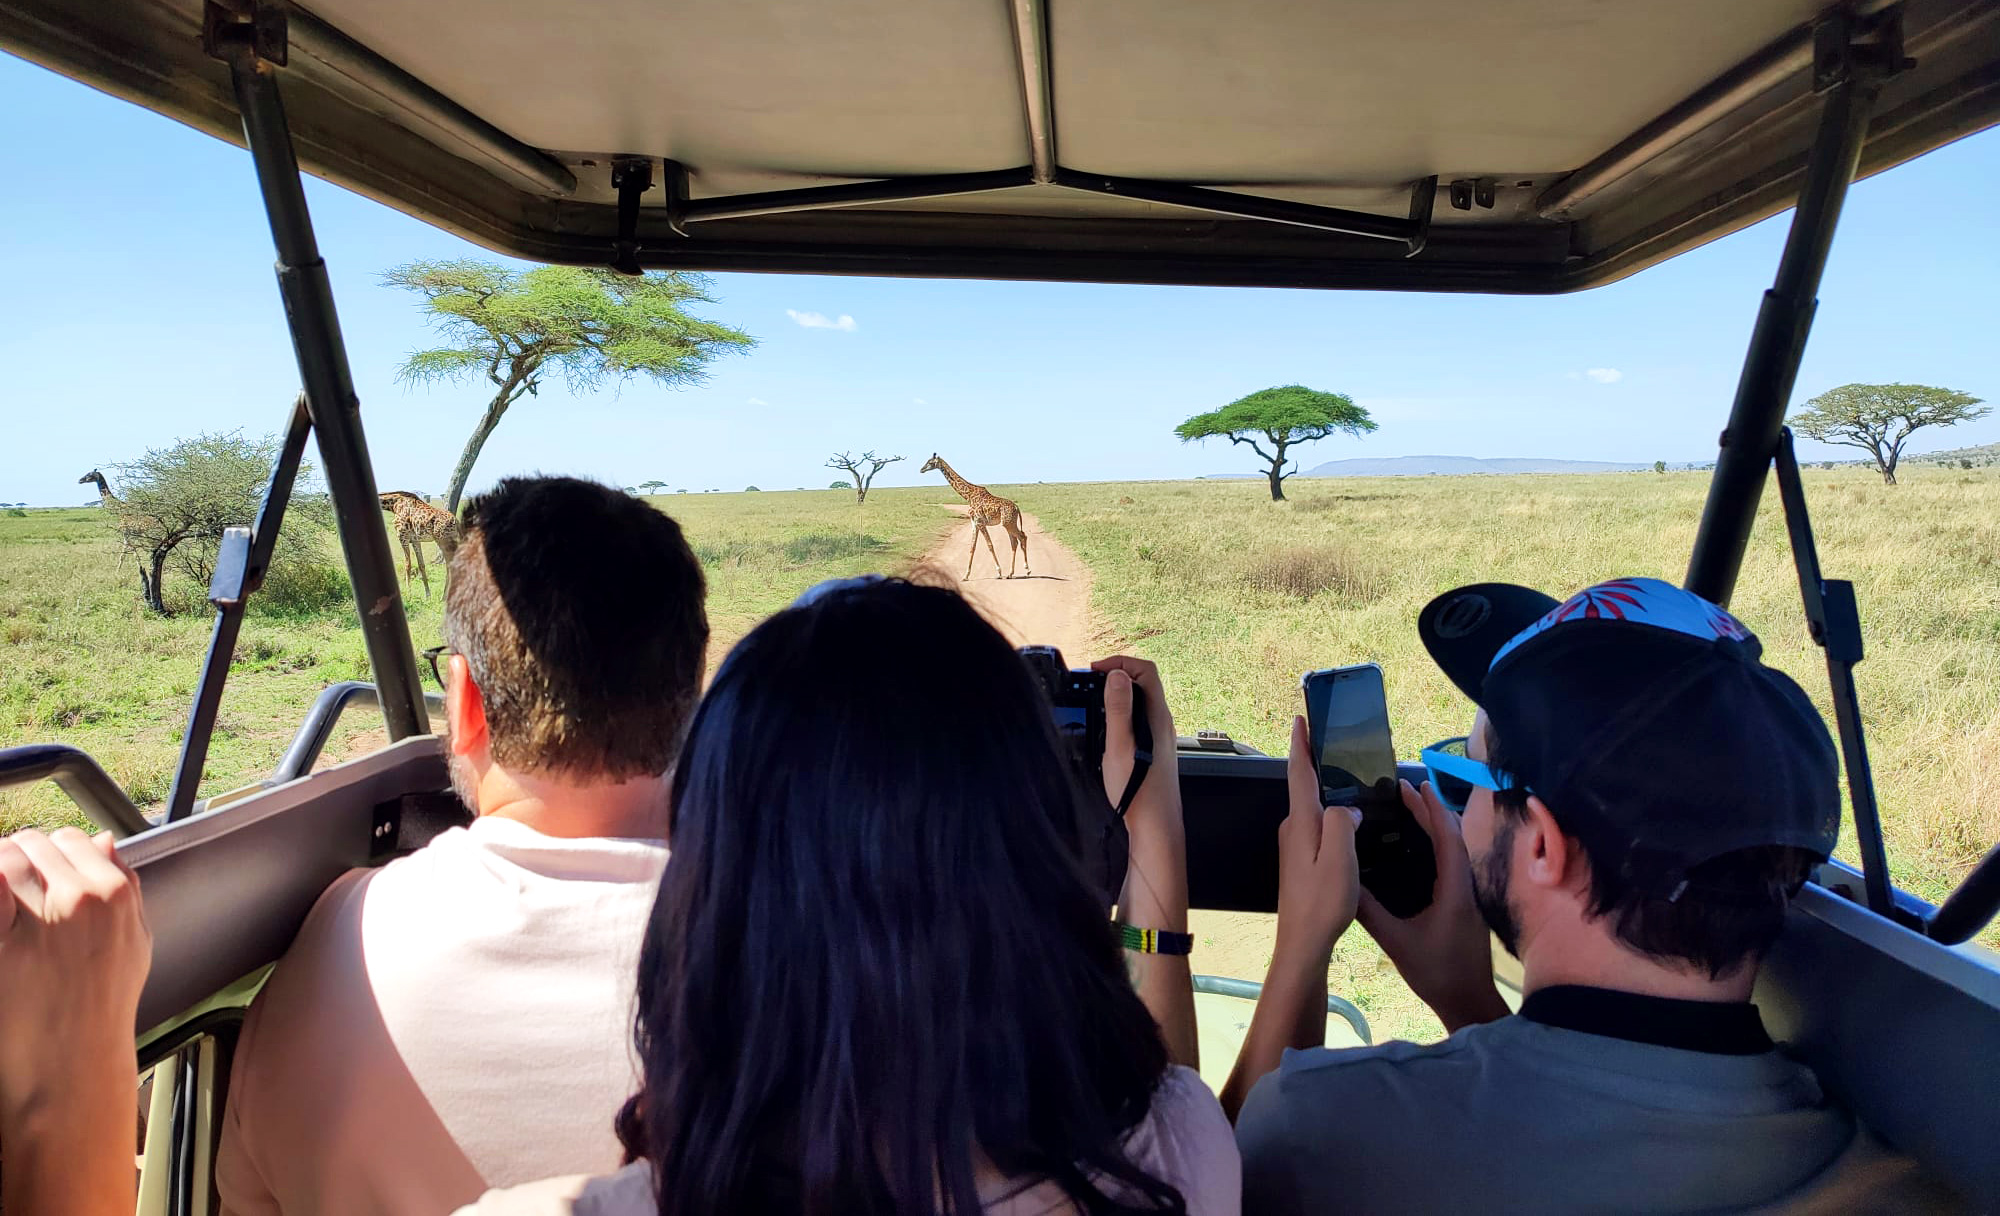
point(990, 549)
point(973, 552)
point(1020, 537)
point(422, 569)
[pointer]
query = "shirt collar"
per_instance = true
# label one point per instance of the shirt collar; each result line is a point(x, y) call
point(1730, 1028)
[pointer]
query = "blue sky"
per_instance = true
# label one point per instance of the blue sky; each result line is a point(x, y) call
point(137, 306)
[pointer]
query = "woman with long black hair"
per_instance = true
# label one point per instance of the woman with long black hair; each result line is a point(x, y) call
point(880, 975)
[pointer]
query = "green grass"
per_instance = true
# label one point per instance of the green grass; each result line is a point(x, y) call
point(1235, 595)
point(83, 662)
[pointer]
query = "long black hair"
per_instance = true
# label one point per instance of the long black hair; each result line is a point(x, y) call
point(875, 959)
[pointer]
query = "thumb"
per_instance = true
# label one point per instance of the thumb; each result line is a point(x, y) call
point(1120, 748)
point(7, 907)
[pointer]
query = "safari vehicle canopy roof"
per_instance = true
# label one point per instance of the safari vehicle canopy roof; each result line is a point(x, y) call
point(1258, 142)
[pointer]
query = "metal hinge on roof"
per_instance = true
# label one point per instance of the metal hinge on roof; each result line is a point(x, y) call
point(231, 23)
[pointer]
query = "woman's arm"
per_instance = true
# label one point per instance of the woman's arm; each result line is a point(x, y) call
point(1155, 894)
point(74, 951)
point(1319, 883)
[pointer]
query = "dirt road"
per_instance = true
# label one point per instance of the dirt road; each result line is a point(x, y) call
point(1049, 608)
point(1053, 608)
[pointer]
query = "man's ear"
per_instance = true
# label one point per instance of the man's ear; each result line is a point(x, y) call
point(1546, 856)
point(464, 707)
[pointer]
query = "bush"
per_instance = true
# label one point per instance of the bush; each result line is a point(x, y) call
point(299, 584)
point(751, 490)
point(821, 546)
point(841, 485)
point(18, 513)
point(1305, 571)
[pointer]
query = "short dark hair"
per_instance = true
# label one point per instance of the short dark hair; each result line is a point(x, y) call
point(1729, 913)
point(580, 612)
point(877, 954)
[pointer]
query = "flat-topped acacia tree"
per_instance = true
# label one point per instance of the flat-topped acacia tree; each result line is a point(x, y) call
point(1283, 416)
point(1880, 418)
point(515, 326)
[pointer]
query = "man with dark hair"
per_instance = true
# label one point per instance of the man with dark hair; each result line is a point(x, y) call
point(459, 1019)
point(1641, 798)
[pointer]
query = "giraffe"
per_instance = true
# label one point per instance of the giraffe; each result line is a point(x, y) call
point(133, 528)
point(986, 507)
point(416, 522)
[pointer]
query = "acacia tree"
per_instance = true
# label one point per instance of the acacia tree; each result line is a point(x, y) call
point(852, 465)
point(652, 487)
point(177, 500)
point(1283, 416)
point(1880, 418)
point(591, 325)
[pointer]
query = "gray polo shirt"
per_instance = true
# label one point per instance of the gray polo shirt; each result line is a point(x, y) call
point(1523, 1116)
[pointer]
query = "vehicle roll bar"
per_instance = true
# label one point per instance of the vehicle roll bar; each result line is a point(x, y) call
point(311, 739)
point(79, 776)
point(252, 42)
point(240, 562)
point(1848, 74)
point(1248, 990)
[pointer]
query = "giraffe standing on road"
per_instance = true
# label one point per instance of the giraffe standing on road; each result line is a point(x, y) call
point(986, 507)
point(416, 522)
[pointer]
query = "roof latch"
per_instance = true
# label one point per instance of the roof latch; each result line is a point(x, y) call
point(226, 24)
point(631, 176)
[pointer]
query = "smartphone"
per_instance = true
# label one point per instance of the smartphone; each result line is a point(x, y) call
point(1347, 715)
point(1347, 722)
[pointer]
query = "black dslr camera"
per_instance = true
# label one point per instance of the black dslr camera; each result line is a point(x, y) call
point(1076, 703)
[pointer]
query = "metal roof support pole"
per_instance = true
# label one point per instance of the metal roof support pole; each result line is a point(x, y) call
point(251, 50)
point(1849, 80)
point(240, 562)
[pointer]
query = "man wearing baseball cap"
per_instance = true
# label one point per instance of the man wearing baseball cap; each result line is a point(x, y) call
point(1637, 801)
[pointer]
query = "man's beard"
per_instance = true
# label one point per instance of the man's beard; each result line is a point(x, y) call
point(1490, 876)
point(462, 777)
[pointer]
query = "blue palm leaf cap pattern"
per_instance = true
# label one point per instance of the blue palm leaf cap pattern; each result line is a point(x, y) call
point(1642, 601)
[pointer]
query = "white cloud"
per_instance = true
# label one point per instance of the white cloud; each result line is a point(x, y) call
point(819, 320)
point(1604, 375)
point(756, 401)
point(919, 401)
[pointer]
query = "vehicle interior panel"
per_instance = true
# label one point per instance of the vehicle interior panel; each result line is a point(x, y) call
point(226, 892)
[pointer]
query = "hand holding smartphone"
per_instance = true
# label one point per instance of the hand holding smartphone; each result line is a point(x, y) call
point(1347, 719)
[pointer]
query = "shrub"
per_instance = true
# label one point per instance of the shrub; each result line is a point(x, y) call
point(299, 584)
point(751, 490)
point(822, 546)
point(1305, 571)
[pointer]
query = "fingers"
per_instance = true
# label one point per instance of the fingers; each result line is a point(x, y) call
point(7, 906)
point(23, 884)
point(1301, 774)
point(1120, 747)
point(1443, 827)
point(1117, 711)
point(1145, 674)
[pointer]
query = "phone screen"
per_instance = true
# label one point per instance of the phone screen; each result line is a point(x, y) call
point(1348, 714)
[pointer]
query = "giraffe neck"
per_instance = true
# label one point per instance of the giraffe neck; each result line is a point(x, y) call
point(965, 488)
point(104, 494)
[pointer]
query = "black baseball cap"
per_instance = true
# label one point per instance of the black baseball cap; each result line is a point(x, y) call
point(1643, 717)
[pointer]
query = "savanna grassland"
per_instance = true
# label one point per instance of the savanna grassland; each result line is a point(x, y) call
point(83, 662)
point(1235, 596)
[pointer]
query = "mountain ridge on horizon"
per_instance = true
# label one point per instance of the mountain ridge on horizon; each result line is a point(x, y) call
point(1425, 466)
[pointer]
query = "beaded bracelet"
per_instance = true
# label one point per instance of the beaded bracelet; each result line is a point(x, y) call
point(1154, 941)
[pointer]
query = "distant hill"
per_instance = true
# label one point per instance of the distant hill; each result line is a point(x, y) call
point(1423, 466)
point(1985, 454)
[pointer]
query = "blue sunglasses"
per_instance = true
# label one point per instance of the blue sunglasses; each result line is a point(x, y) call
point(1453, 774)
